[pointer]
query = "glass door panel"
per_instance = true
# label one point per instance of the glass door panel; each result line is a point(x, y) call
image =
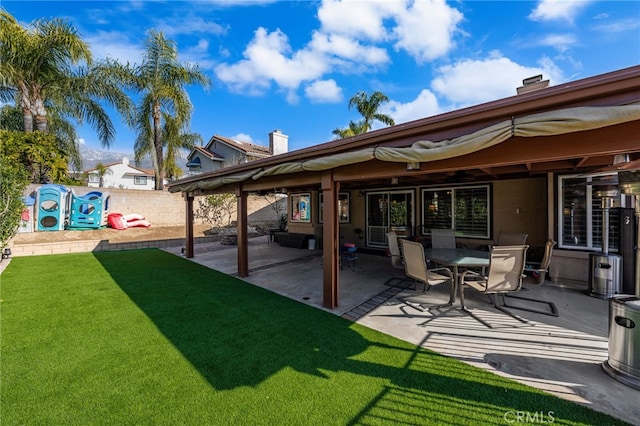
point(387, 210)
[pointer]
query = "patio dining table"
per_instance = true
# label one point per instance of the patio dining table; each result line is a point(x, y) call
point(455, 259)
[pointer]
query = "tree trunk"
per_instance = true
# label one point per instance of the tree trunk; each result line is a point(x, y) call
point(158, 163)
point(27, 120)
point(25, 106)
point(40, 115)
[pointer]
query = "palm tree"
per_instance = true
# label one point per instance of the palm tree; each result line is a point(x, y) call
point(176, 140)
point(367, 106)
point(165, 109)
point(352, 130)
point(43, 73)
point(102, 171)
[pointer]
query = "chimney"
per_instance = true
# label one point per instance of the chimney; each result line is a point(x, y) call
point(532, 83)
point(278, 142)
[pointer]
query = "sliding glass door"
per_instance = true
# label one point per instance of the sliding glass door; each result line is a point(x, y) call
point(388, 211)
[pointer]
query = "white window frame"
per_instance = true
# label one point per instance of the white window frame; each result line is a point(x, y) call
point(376, 234)
point(140, 180)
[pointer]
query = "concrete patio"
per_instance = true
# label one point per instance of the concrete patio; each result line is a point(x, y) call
point(561, 355)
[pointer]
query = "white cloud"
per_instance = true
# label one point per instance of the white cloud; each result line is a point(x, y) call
point(323, 91)
point(620, 26)
point(348, 48)
point(552, 10)
point(357, 18)
point(269, 57)
point(197, 54)
point(561, 42)
point(242, 137)
point(352, 39)
point(470, 82)
point(424, 105)
point(426, 29)
point(189, 24)
point(114, 44)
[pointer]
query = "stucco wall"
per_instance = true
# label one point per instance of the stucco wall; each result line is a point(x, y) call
point(520, 205)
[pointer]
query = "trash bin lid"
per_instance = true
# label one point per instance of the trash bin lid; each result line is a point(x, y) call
point(630, 302)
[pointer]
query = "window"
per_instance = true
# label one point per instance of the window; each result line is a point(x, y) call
point(195, 164)
point(139, 180)
point(465, 209)
point(343, 207)
point(94, 178)
point(300, 208)
point(580, 216)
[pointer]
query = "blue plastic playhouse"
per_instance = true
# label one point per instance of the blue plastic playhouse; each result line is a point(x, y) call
point(53, 207)
point(89, 211)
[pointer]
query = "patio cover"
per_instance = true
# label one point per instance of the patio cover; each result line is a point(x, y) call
point(542, 124)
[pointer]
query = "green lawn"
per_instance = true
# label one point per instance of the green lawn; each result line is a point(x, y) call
point(146, 337)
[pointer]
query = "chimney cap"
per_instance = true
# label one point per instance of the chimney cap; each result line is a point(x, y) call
point(532, 83)
point(531, 80)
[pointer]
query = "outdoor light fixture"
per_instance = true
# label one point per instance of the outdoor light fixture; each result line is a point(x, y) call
point(413, 165)
point(394, 181)
point(6, 253)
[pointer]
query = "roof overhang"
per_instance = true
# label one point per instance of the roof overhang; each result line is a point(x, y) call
point(513, 150)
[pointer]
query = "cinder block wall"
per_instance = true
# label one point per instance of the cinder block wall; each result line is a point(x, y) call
point(162, 208)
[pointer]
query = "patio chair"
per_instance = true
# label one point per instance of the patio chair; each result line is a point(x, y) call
point(511, 238)
point(504, 275)
point(415, 266)
point(396, 257)
point(443, 239)
point(535, 273)
point(348, 255)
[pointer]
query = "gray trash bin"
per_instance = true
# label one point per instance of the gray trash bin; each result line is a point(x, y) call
point(605, 275)
point(624, 340)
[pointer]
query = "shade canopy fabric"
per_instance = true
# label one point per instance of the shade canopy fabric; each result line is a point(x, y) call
point(550, 123)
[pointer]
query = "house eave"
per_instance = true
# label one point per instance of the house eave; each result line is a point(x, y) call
point(614, 88)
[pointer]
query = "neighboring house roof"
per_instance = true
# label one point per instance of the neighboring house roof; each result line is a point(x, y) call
point(202, 150)
point(138, 174)
point(105, 165)
point(245, 147)
point(141, 171)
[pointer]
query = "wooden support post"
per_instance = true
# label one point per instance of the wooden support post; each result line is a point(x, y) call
point(330, 239)
point(188, 224)
point(243, 240)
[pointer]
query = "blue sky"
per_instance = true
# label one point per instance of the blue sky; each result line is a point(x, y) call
point(294, 65)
